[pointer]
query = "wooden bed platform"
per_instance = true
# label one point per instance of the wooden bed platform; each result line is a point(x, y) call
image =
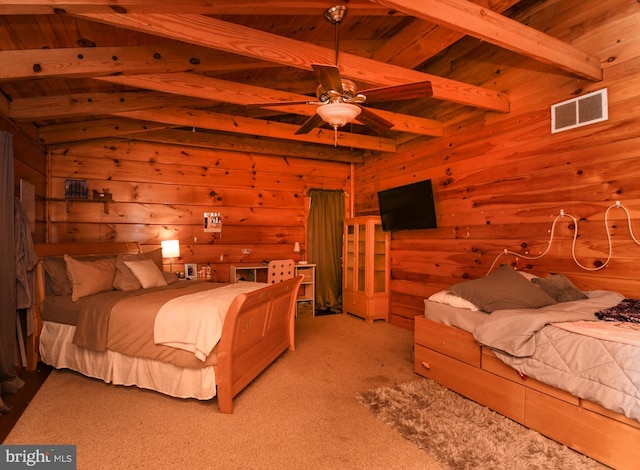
point(258, 328)
point(453, 358)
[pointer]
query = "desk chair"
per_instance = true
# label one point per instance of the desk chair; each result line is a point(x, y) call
point(280, 270)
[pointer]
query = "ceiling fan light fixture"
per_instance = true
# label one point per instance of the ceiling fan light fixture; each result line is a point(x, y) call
point(338, 114)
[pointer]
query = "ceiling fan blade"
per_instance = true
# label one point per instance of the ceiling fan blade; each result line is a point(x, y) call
point(328, 76)
point(311, 123)
point(407, 91)
point(374, 121)
point(280, 103)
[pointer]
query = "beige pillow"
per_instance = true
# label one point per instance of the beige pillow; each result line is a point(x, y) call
point(124, 279)
point(90, 277)
point(147, 273)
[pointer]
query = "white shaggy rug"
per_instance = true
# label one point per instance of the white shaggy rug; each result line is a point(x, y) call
point(461, 434)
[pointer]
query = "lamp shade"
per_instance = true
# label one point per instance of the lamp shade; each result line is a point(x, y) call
point(296, 247)
point(338, 114)
point(170, 249)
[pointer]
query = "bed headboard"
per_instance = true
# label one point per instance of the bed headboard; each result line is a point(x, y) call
point(110, 248)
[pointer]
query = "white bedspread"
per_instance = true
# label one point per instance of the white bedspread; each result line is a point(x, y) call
point(194, 322)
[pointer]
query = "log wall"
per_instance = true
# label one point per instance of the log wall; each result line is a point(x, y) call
point(501, 180)
point(161, 192)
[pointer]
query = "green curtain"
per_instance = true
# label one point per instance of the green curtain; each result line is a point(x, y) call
point(325, 227)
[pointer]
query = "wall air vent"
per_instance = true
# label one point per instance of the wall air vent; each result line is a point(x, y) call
point(580, 111)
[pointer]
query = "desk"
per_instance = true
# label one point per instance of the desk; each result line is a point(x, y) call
point(258, 273)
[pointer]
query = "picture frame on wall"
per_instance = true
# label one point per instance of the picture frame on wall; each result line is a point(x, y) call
point(190, 271)
point(76, 189)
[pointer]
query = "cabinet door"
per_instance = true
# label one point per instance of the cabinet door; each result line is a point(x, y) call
point(361, 262)
point(349, 258)
point(379, 267)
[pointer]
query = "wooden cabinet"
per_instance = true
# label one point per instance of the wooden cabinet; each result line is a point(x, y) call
point(365, 277)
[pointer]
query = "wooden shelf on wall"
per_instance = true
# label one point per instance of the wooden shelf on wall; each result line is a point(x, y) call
point(71, 201)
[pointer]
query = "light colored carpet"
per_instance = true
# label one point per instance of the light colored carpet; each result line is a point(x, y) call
point(301, 413)
point(461, 434)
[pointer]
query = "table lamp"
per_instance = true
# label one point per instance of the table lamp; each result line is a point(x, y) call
point(170, 249)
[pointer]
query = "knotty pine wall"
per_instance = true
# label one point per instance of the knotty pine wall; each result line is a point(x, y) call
point(160, 192)
point(501, 179)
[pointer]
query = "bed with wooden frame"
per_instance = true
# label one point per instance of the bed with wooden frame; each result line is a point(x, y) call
point(257, 328)
point(447, 350)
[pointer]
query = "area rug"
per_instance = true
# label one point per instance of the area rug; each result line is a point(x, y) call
point(461, 434)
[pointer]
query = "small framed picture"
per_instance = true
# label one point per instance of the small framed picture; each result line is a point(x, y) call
point(191, 271)
point(76, 189)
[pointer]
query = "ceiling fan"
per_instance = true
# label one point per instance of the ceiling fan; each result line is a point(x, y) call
point(338, 99)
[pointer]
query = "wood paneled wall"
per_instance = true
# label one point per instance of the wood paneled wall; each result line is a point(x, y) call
point(501, 180)
point(29, 164)
point(160, 192)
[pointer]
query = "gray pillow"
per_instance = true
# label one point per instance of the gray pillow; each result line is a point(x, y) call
point(559, 287)
point(56, 270)
point(502, 289)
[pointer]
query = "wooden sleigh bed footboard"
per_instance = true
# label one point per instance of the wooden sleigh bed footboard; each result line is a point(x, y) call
point(257, 329)
point(453, 358)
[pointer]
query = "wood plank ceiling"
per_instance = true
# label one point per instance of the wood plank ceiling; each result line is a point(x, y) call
point(185, 71)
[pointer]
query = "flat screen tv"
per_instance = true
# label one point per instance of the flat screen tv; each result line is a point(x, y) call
point(409, 207)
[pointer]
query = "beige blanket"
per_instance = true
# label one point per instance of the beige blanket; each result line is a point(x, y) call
point(127, 326)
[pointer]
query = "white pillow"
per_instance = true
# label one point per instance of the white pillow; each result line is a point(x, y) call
point(147, 272)
point(527, 276)
point(449, 298)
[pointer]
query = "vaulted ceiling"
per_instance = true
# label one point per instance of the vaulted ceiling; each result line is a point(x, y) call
point(195, 72)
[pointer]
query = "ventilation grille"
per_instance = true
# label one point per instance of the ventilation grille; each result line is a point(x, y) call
point(578, 112)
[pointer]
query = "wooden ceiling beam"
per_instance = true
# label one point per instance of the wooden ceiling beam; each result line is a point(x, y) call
point(250, 145)
point(421, 40)
point(198, 86)
point(97, 61)
point(257, 127)
point(205, 7)
point(91, 104)
point(96, 129)
point(237, 39)
point(482, 23)
point(134, 123)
